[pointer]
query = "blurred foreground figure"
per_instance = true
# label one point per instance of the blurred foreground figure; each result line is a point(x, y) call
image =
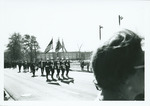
point(119, 67)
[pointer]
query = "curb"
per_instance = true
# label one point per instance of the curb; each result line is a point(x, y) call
point(7, 97)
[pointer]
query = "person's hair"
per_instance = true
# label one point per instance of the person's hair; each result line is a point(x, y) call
point(113, 62)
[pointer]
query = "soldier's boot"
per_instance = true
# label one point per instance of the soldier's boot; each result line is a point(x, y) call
point(66, 75)
point(62, 76)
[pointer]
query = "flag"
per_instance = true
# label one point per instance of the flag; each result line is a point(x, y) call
point(49, 47)
point(58, 46)
point(63, 46)
point(120, 18)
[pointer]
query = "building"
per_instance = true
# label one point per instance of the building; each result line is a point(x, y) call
point(70, 55)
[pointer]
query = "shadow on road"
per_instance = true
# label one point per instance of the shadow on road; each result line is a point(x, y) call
point(54, 83)
point(35, 76)
point(67, 81)
point(81, 70)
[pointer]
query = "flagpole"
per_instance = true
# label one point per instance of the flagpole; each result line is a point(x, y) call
point(100, 31)
point(58, 51)
point(52, 49)
point(55, 50)
point(58, 47)
point(53, 53)
point(49, 55)
point(45, 56)
point(63, 49)
point(120, 18)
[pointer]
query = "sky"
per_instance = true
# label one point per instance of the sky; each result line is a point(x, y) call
point(76, 22)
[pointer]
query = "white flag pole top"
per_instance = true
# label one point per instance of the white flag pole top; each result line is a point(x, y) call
point(100, 31)
point(120, 18)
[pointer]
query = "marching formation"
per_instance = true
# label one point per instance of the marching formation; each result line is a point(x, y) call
point(60, 65)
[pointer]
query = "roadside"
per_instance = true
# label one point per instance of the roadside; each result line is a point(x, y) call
point(7, 97)
point(75, 66)
point(22, 86)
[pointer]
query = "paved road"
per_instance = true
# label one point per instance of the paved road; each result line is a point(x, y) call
point(23, 87)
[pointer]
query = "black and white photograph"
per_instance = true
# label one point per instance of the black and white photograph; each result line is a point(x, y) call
point(74, 51)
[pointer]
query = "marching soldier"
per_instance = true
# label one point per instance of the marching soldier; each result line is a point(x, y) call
point(62, 66)
point(47, 68)
point(67, 65)
point(28, 65)
point(88, 65)
point(82, 65)
point(52, 69)
point(41, 65)
point(19, 65)
point(25, 66)
point(33, 68)
point(57, 67)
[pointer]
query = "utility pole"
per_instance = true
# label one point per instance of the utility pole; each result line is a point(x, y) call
point(100, 31)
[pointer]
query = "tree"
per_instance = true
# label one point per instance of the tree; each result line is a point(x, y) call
point(14, 47)
point(31, 47)
point(21, 48)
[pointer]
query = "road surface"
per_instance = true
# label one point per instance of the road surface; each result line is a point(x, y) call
point(23, 87)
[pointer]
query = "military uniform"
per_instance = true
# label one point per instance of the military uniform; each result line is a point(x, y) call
point(82, 65)
point(52, 69)
point(57, 67)
point(47, 67)
point(25, 66)
point(33, 69)
point(67, 65)
point(62, 67)
point(41, 65)
point(19, 65)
